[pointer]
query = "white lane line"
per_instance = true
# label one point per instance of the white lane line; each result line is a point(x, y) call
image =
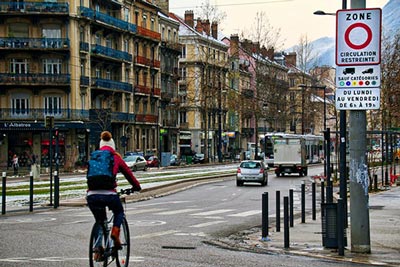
point(246, 213)
point(212, 212)
point(130, 212)
point(172, 212)
point(169, 232)
point(206, 224)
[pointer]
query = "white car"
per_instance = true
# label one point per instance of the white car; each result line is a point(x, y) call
point(252, 171)
point(136, 162)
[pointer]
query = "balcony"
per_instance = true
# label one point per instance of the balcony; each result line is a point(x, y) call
point(35, 79)
point(156, 92)
point(148, 33)
point(184, 125)
point(38, 114)
point(111, 85)
point(34, 43)
point(34, 8)
point(141, 89)
point(172, 46)
point(146, 118)
point(83, 47)
point(105, 115)
point(107, 19)
point(111, 53)
point(84, 81)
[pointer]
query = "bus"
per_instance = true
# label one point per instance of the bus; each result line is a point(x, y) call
point(314, 146)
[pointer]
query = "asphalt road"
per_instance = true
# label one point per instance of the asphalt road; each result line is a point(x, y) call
point(172, 230)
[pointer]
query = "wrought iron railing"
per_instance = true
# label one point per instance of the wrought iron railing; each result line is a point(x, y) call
point(13, 114)
point(109, 52)
point(34, 43)
point(35, 79)
point(111, 84)
point(34, 7)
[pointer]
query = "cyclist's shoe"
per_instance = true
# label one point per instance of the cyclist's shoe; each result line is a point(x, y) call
point(98, 254)
point(115, 236)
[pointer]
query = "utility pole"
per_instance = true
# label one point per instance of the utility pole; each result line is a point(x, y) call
point(359, 215)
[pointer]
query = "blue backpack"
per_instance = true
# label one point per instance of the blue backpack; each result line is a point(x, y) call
point(100, 170)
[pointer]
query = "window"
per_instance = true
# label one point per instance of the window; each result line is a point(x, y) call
point(51, 31)
point(183, 73)
point(53, 105)
point(19, 66)
point(109, 43)
point(20, 105)
point(183, 51)
point(18, 30)
point(52, 66)
point(126, 14)
point(182, 116)
point(97, 39)
point(126, 45)
point(97, 73)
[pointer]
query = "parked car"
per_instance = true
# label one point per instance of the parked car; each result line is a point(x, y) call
point(136, 162)
point(252, 171)
point(174, 160)
point(198, 158)
point(152, 161)
point(134, 153)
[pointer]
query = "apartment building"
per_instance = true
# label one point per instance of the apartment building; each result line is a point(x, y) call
point(93, 65)
point(203, 68)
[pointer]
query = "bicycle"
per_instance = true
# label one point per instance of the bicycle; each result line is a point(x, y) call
point(101, 236)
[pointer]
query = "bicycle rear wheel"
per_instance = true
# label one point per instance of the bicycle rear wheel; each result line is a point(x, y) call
point(122, 257)
point(97, 240)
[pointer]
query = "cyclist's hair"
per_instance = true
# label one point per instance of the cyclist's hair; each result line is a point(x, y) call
point(106, 136)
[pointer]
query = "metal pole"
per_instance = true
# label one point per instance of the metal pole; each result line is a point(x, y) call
point(359, 204)
point(51, 164)
point(56, 190)
point(329, 187)
point(31, 191)
point(303, 202)
point(264, 230)
point(340, 226)
point(278, 211)
point(314, 200)
point(286, 221)
point(291, 207)
point(3, 193)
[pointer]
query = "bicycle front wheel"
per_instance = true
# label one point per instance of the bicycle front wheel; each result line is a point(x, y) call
point(97, 246)
point(122, 258)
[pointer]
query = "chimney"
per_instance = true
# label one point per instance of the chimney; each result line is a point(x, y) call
point(199, 26)
point(234, 46)
point(189, 18)
point(206, 26)
point(291, 59)
point(214, 29)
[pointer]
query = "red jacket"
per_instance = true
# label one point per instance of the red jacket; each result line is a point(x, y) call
point(120, 166)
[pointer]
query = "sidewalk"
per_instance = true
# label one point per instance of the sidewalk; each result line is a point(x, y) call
point(306, 238)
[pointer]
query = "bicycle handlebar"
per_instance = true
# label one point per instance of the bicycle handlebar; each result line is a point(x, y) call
point(126, 191)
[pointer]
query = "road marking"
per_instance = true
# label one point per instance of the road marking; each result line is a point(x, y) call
point(143, 211)
point(206, 224)
point(169, 232)
point(172, 212)
point(246, 213)
point(163, 203)
point(212, 212)
point(75, 222)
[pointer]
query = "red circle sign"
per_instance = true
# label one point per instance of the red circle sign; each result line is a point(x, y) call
point(360, 46)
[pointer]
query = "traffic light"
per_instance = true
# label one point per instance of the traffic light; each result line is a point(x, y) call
point(49, 122)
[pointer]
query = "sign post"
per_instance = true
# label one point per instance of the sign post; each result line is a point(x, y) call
point(358, 56)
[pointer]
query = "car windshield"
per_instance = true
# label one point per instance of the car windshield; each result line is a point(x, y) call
point(250, 165)
point(130, 158)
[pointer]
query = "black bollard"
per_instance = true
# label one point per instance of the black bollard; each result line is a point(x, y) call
point(340, 226)
point(56, 190)
point(3, 193)
point(303, 202)
point(286, 221)
point(322, 191)
point(264, 223)
point(314, 200)
point(375, 182)
point(31, 192)
point(278, 211)
point(291, 215)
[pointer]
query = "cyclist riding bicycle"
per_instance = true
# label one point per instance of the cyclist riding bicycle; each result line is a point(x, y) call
point(99, 199)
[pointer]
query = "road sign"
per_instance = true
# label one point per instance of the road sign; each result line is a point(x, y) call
point(358, 37)
point(358, 76)
point(357, 98)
